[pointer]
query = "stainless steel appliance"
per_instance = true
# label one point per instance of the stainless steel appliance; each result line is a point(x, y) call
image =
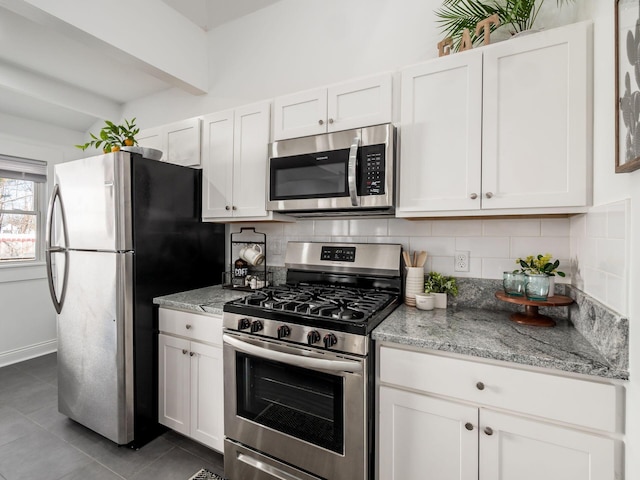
point(298, 365)
point(351, 172)
point(121, 229)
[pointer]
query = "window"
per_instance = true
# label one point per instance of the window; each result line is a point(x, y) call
point(22, 186)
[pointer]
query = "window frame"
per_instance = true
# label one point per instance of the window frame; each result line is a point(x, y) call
point(40, 190)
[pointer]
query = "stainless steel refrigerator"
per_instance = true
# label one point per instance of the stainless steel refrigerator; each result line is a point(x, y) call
point(121, 229)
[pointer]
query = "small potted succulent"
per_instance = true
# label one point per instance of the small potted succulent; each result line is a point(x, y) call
point(440, 285)
point(113, 136)
point(541, 265)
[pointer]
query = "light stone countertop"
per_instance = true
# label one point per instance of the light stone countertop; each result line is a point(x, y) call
point(490, 334)
point(483, 333)
point(207, 299)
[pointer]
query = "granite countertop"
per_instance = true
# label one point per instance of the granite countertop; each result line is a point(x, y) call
point(207, 299)
point(490, 334)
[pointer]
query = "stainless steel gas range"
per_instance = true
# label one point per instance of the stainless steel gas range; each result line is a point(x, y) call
point(298, 365)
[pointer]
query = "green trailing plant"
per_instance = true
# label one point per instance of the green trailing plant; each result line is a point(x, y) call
point(438, 283)
point(111, 137)
point(456, 15)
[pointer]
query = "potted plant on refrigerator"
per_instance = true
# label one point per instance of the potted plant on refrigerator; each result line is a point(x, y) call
point(112, 137)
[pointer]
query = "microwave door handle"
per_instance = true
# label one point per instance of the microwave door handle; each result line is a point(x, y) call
point(353, 159)
point(296, 360)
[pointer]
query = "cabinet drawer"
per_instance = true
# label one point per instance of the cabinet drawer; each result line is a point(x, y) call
point(571, 400)
point(196, 326)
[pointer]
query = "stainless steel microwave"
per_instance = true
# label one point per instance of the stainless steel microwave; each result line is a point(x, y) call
point(351, 172)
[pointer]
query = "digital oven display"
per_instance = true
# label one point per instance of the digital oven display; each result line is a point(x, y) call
point(338, 254)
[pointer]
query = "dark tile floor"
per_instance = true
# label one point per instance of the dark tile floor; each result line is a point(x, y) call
point(37, 442)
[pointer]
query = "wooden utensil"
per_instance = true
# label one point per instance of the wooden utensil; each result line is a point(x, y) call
point(415, 258)
point(407, 259)
point(422, 259)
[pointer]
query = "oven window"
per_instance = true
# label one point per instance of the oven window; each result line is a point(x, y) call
point(302, 403)
point(318, 175)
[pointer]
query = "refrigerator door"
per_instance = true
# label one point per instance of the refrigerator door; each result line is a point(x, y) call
point(95, 344)
point(96, 193)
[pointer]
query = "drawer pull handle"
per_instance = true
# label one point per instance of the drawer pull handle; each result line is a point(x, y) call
point(184, 352)
point(488, 431)
point(468, 426)
point(188, 326)
point(480, 386)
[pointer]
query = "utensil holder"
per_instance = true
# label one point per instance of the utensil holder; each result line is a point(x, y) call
point(414, 283)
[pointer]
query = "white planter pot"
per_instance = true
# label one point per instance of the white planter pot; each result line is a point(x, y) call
point(552, 285)
point(440, 300)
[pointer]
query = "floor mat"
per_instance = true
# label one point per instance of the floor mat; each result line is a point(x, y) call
point(205, 474)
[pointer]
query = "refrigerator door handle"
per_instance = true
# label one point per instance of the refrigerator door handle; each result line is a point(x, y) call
point(51, 249)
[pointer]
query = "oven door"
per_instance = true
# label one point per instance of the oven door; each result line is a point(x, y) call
point(304, 407)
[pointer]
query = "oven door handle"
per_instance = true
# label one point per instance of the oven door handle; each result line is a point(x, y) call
point(296, 360)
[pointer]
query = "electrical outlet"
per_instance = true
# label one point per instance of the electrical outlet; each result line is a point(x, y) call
point(461, 262)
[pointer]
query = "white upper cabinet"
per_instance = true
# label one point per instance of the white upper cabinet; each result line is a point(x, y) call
point(179, 141)
point(501, 129)
point(234, 170)
point(353, 104)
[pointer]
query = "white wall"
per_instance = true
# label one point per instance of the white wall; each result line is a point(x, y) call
point(294, 45)
point(27, 317)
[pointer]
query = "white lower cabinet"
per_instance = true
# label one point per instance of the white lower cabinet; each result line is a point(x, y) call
point(455, 431)
point(190, 376)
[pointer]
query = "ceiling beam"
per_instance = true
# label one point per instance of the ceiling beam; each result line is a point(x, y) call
point(57, 93)
point(146, 34)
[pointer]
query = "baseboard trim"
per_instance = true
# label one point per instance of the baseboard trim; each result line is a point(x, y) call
point(26, 353)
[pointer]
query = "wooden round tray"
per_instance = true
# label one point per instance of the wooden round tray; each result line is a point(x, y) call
point(531, 315)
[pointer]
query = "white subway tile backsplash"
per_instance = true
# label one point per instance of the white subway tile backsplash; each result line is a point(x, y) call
point(409, 228)
point(434, 246)
point(368, 227)
point(404, 241)
point(331, 227)
point(491, 247)
point(348, 239)
point(597, 222)
point(555, 227)
point(301, 228)
point(595, 283)
point(617, 220)
point(457, 228)
point(495, 267)
point(511, 228)
point(524, 246)
point(611, 256)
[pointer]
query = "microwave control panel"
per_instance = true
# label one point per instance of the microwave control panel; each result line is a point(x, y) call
point(372, 170)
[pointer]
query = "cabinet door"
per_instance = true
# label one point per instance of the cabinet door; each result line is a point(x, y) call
point(359, 103)
point(183, 143)
point(152, 138)
point(300, 114)
point(441, 135)
point(217, 164)
point(174, 378)
point(207, 386)
point(250, 154)
point(522, 449)
point(535, 148)
point(425, 438)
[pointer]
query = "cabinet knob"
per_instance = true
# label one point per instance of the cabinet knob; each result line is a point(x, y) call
point(188, 326)
point(488, 194)
point(184, 352)
point(473, 196)
point(227, 207)
point(320, 122)
point(191, 354)
point(234, 208)
point(468, 426)
point(330, 120)
point(488, 431)
point(480, 386)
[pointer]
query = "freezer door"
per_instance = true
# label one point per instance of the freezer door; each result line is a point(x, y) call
point(95, 344)
point(96, 194)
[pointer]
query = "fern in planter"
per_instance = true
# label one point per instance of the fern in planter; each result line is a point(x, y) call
point(456, 15)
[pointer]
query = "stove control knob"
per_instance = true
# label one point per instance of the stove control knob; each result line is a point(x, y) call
point(313, 337)
point(256, 326)
point(243, 324)
point(329, 340)
point(283, 331)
